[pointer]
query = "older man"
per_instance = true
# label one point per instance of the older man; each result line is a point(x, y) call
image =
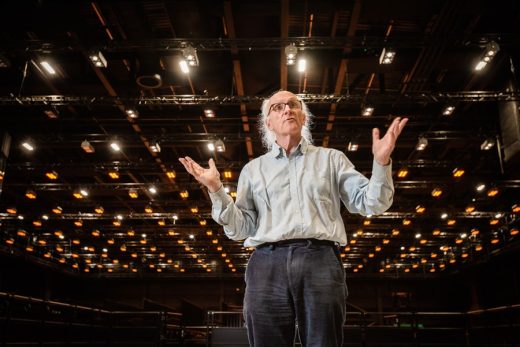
point(288, 207)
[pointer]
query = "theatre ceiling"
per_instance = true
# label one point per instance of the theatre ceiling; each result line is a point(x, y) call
point(98, 100)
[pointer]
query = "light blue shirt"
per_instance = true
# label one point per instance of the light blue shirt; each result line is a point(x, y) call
point(298, 196)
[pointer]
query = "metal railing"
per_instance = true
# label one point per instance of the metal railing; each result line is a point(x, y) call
point(36, 321)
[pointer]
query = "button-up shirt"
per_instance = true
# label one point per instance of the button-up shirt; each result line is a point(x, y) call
point(296, 196)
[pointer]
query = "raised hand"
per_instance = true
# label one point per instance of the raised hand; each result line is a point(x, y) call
point(208, 177)
point(383, 148)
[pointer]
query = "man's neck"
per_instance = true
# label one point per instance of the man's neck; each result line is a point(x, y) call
point(289, 143)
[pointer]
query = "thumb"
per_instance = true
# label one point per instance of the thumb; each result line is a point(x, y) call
point(375, 134)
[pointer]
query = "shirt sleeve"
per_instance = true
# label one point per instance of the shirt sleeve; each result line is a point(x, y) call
point(361, 195)
point(238, 218)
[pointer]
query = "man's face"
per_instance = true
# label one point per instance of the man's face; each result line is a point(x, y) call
point(285, 114)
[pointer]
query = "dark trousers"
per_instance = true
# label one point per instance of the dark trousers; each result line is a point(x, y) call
point(299, 282)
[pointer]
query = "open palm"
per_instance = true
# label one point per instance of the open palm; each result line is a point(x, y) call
point(382, 148)
point(208, 177)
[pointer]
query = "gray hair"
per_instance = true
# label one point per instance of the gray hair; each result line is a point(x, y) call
point(268, 137)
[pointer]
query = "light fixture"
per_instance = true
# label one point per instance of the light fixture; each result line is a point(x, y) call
point(184, 66)
point(171, 174)
point(52, 175)
point(458, 172)
point(131, 113)
point(209, 113)
point(387, 56)
point(444, 215)
point(302, 64)
point(220, 146)
point(87, 147)
point(420, 209)
point(211, 146)
point(133, 193)
point(30, 194)
point(290, 53)
point(492, 192)
point(190, 54)
point(228, 174)
point(422, 143)
point(515, 208)
point(98, 59)
point(155, 146)
point(448, 110)
point(28, 145)
point(152, 190)
point(367, 111)
point(184, 194)
point(352, 146)
point(436, 192)
point(57, 210)
point(487, 144)
point(115, 146)
point(48, 67)
point(470, 208)
point(402, 173)
point(11, 210)
point(492, 49)
point(51, 112)
point(114, 174)
point(480, 187)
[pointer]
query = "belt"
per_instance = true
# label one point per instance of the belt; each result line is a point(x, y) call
point(286, 243)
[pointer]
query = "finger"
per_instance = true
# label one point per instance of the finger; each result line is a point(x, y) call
point(401, 126)
point(395, 125)
point(194, 164)
point(375, 134)
point(212, 165)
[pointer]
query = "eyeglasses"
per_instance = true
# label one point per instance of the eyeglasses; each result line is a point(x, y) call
point(279, 107)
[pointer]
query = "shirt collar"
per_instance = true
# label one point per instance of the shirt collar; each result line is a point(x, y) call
point(278, 152)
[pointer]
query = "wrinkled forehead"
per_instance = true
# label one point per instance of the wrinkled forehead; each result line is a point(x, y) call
point(283, 96)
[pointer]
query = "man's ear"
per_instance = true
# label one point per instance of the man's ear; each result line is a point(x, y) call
point(268, 123)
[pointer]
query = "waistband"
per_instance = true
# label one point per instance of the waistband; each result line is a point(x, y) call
point(302, 242)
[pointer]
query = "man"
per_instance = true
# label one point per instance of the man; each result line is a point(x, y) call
point(288, 207)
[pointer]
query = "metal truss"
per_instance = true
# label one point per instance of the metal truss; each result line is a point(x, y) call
point(174, 100)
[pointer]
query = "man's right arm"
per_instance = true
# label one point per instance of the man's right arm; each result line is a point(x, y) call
point(238, 218)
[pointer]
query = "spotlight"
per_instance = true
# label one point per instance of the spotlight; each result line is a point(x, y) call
point(290, 53)
point(28, 145)
point(209, 113)
point(87, 147)
point(211, 146)
point(155, 147)
point(448, 110)
point(220, 146)
point(367, 111)
point(487, 144)
point(190, 54)
point(184, 66)
point(98, 59)
point(132, 113)
point(152, 190)
point(302, 65)
point(115, 146)
point(48, 67)
point(421, 144)
point(492, 49)
point(352, 146)
point(387, 56)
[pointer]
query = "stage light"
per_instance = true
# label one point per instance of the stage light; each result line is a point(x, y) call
point(302, 65)
point(209, 113)
point(448, 110)
point(87, 147)
point(387, 56)
point(487, 144)
point(132, 113)
point(220, 146)
point(422, 143)
point(352, 146)
point(290, 53)
point(367, 111)
point(48, 67)
point(190, 54)
point(98, 59)
point(184, 66)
